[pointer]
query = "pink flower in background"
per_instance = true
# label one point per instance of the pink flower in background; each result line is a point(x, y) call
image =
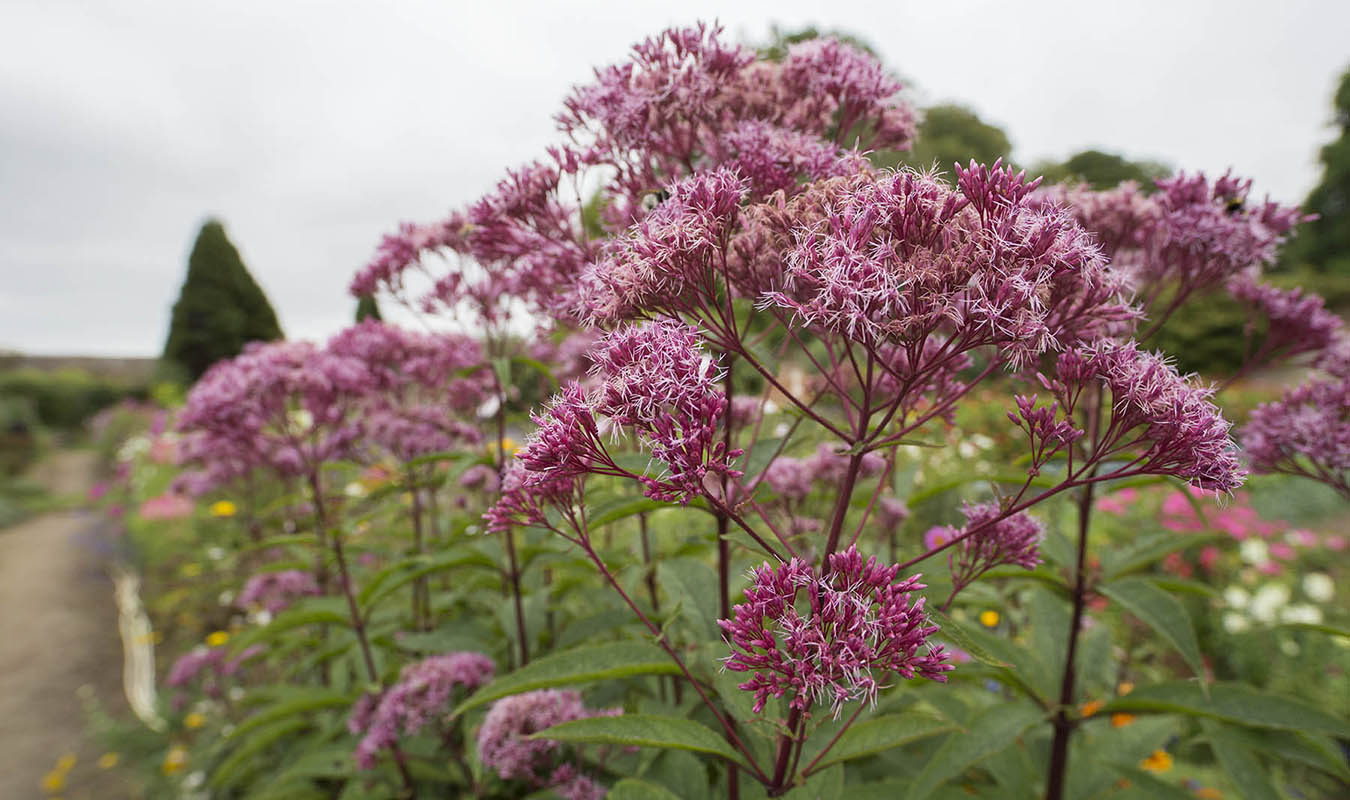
point(1118, 502)
point(1303, 538)
point(97, 491)
point(1270, 568)
point(1335, 542)
point(937, 536)
point(422, 695)
point(166, 507)
point(1282, 551)
point(503, 745)
point(1209, 557)
point(275, 591)
point(163, 450)
point(1177, 564)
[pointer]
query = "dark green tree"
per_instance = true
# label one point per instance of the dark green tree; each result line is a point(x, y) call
point(367, 308)
point(220, 307)
point(950, 134)
point(1324, 244)
point(1102, 170)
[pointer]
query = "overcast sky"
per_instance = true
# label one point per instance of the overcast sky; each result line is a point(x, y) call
point(311, 128)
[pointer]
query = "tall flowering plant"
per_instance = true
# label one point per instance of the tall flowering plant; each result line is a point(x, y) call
point(761, 344)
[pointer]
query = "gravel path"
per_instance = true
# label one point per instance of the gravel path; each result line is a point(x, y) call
point(58, 632)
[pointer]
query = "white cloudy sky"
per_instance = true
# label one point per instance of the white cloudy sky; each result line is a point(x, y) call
point(313, 127)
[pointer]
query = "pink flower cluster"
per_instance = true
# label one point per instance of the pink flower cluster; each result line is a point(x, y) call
point(683, 102)
point(653, 378)
point(208, 666)
point(1155, 409)
point(422, 695)
point(504, 746)
point(904, 256)
point(1011, 540)
point(1295, 322)
point(275, 591)
point(856, 627)
point(1306, 432)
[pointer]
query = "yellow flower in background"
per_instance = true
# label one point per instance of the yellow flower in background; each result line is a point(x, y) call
point(217, 639)
point(1159, 761)
point(66, 762)
point(191, 570)
point(1120, 719)
point(223, 508)
point(107, 760)
point(989, 618)
point(174, 760)
point(1090, 707)
point(53, 781)
point(1208, 793)
point(1124, 688)
point(194, 720)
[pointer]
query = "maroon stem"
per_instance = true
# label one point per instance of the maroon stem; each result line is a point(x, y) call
point(1063, 724)
point(358, 623)
point(514, 575)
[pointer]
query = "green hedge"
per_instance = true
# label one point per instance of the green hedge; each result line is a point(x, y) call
point(64, 399)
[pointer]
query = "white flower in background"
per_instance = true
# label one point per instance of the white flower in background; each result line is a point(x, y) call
point(1302, 614)
point(781, 430)
point(226, 598)
point(1254, 551)
point(260, 617)
point(355, 490)
point(981, 441)
point(215, 553)
point(302, 420)
point(1268, 601)
point(967, 449)
point(1319, 587)
point(1234, 622)
point(489, 407)
point(236, 693)
point(194, 780)
point(1290, 648)
point(133, 447)
point(1236, 597)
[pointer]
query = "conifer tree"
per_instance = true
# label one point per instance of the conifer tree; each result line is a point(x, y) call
point(220, 307)
point(1324, 243)
point(367, 308)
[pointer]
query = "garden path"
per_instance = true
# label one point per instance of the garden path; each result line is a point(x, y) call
point(58, 633)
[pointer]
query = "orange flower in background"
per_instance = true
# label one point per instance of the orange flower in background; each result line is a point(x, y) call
point(1159, 761)
point(1208, 793)
point(1124, 688)
point(1090, 707)
point(1120, 719)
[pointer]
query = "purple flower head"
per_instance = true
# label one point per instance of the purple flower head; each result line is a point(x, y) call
point(1306, 432)
point(772, 158)
point(670, 257)
point(891, 512)
point(657, 379)
point(835, 641)
point(1335, 357)
point(503, 745)
point(1295, 322)
point(830, 467)
point(422, 695)
point(905, 256)
point(208, 667)
point(1181, 432)
point(480, 476)
point(1012, 540)
point(790, 477)
point(275, 591)
point(283, 406)
point(837, 85)
point(526, 497)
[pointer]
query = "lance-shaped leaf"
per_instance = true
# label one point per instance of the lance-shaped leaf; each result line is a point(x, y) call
point(991, 731)
point(1241, 765)
point(579, 665)
point(1231, 702)
point(643, 730)
point(1160, 611)
point(882, 733)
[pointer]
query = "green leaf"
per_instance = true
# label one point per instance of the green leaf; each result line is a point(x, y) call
point(310, 611)
point(1319, 752)
point(1241, 765)
point(1317, 627)
point(263, 738)
point(291, 702)
point(643, 730)
point(824, 785)
point(402, 573)
point(1147, 550)
point(990, 731)
point(882, 733)
point(1162, 612)
point(1231, 702)
point(617, 508)
point(635, 789)
point(579, 665)
point(957, 634)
